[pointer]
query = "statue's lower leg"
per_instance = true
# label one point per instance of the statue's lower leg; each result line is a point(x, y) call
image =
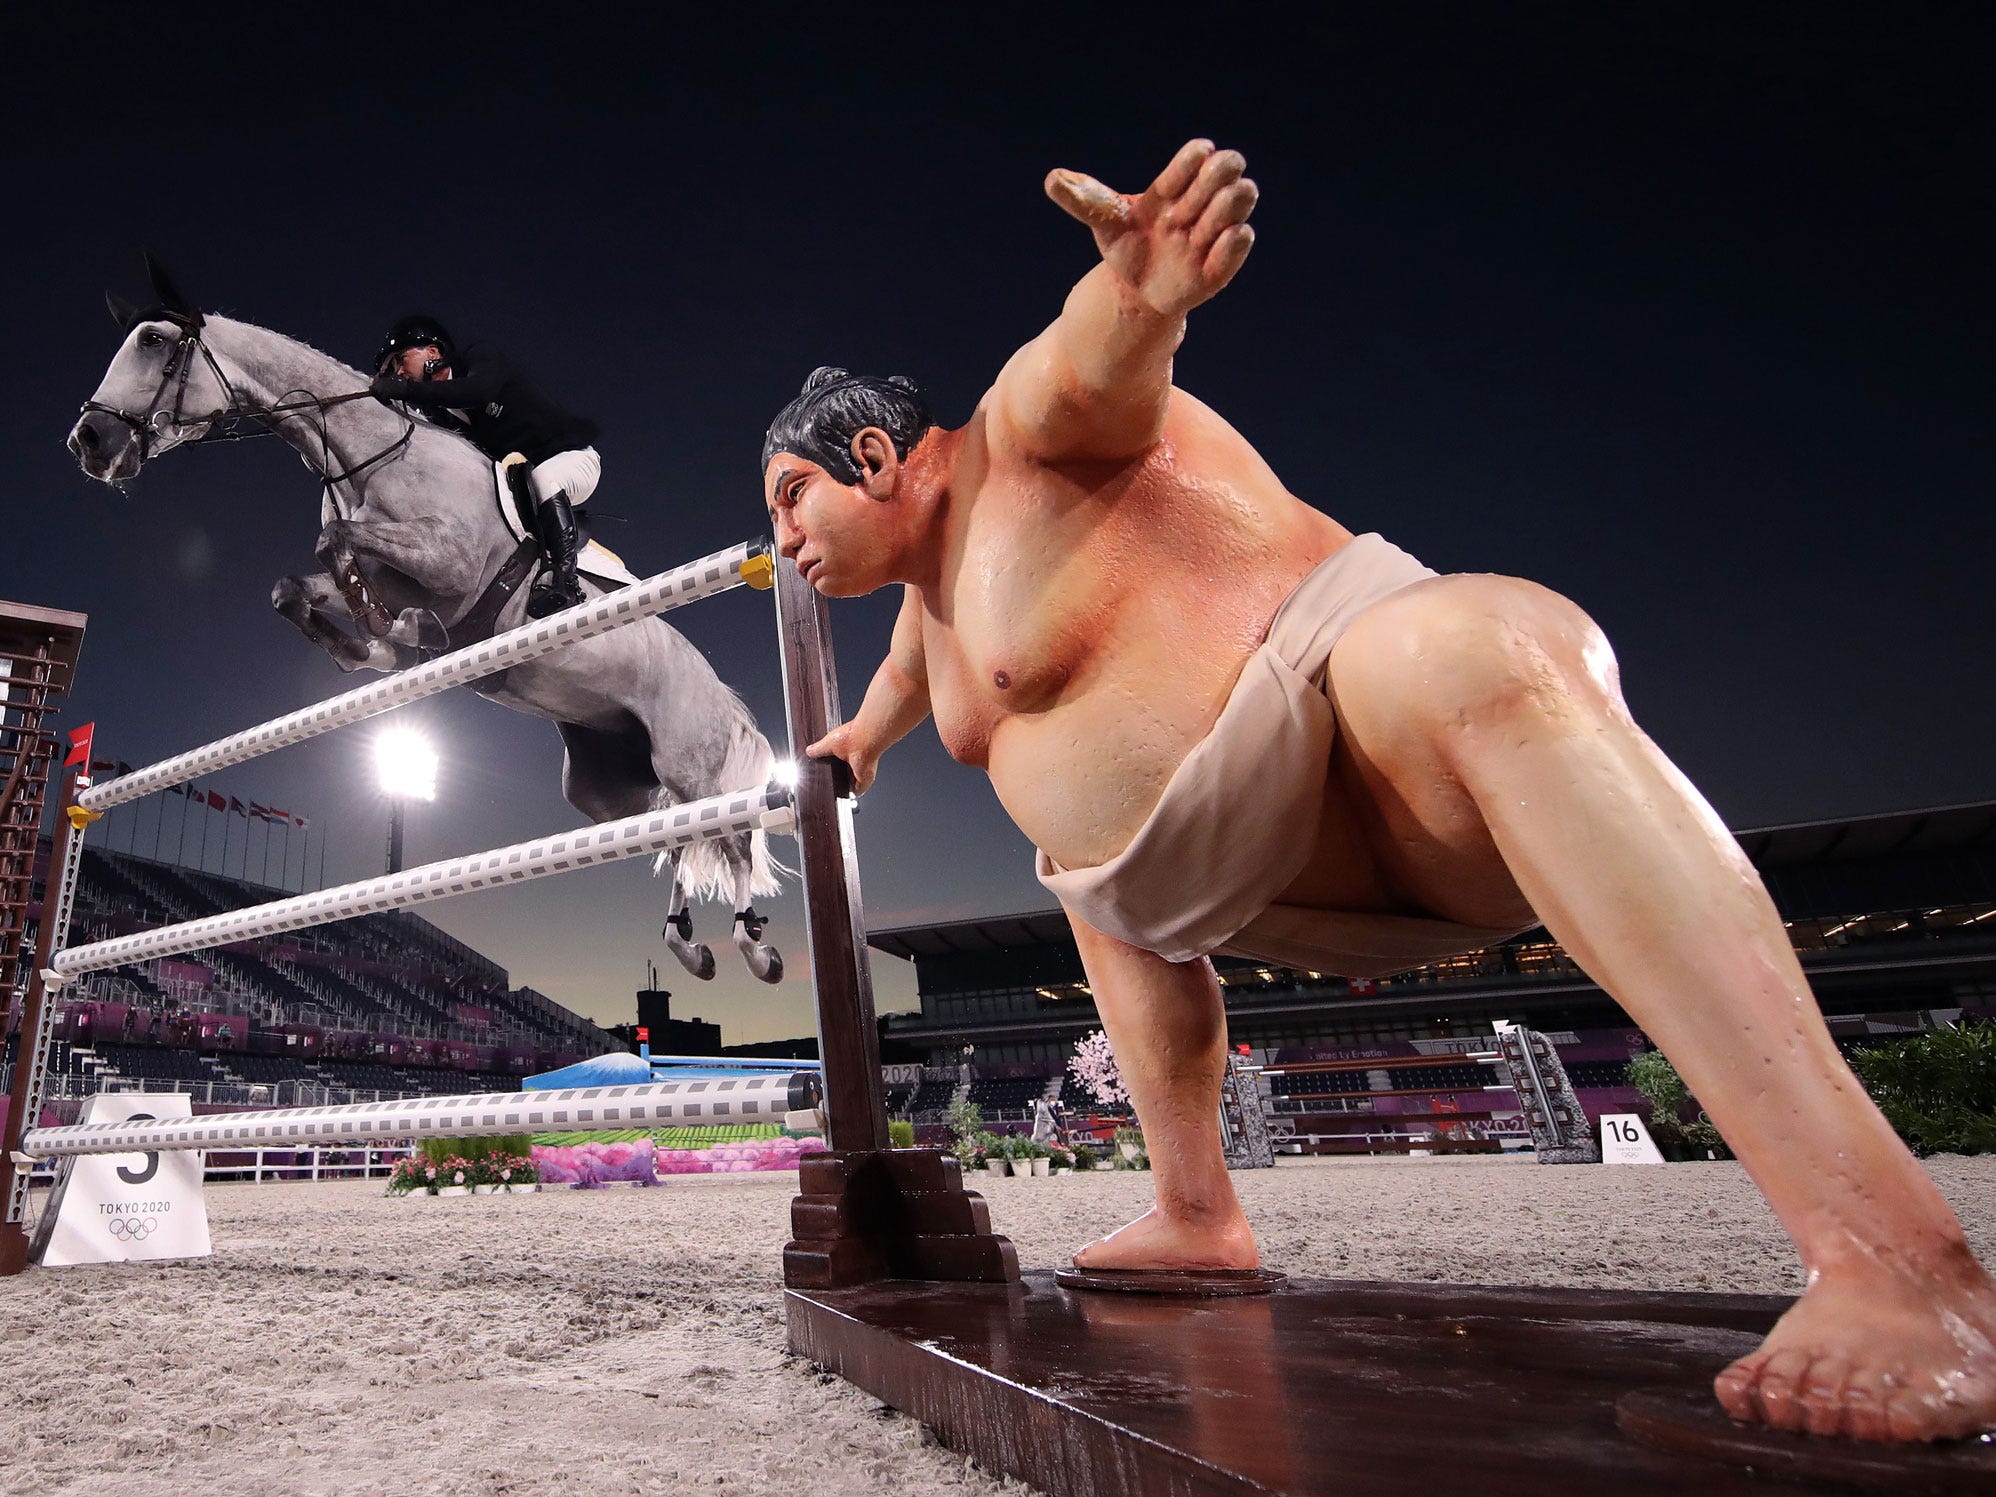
point(1895, 1336)
point(1167, 1025)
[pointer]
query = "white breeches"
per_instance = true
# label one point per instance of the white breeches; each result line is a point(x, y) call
point(575, 472)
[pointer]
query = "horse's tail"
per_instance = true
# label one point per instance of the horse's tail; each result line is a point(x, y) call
point(704, 871)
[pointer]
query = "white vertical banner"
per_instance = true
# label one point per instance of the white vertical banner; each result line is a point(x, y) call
point(1624, 1140)
point(114, 1208)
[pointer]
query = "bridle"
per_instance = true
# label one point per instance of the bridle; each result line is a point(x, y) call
point(226, 424)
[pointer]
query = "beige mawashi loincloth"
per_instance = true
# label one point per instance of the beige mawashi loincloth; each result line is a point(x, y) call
point(1235, 824)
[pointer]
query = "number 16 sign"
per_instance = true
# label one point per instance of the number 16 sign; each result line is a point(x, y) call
point(1624, 1140)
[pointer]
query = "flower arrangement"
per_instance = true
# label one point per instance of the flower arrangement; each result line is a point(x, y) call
point(408, 1176)
point(1086, 1158)
point(465, 1164)
point(1093, 1064)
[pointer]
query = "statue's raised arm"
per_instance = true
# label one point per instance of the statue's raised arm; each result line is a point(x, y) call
point(1093, 385)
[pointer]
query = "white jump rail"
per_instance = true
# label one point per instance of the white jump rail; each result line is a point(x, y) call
point(744, 564)
point(768, 809)
point(659, 1104)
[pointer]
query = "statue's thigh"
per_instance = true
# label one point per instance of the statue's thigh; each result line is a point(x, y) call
point(1394, 769)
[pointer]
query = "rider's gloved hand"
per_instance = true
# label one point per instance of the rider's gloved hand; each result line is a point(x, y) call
point(389, 386)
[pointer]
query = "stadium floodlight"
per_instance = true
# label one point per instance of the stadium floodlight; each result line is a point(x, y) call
point(406, 765)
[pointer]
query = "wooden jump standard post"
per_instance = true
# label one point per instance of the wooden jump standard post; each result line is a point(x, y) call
point(865, 1211)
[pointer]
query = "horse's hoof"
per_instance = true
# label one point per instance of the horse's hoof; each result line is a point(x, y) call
point(770, 970)
point(699, 960)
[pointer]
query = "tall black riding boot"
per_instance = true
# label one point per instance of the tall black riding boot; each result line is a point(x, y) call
point(554, 527)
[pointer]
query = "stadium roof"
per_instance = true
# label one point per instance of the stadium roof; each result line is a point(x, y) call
point(1939, 829)
point(1000, 933)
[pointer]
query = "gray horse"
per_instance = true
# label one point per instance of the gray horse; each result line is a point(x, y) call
point(413, 527)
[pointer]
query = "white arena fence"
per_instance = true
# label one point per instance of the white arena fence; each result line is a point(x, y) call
point(261, 1166)
point(767, 1097)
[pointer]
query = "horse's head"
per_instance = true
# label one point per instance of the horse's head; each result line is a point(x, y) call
point(163, 387)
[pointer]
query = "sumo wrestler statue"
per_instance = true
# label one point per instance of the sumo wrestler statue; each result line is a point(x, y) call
point(1231, 726)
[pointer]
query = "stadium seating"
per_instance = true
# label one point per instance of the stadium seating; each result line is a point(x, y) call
point(931, 1100)
point(1009, 1094)
point(155, 1063)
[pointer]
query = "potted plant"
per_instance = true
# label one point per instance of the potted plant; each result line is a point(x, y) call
point(1006, 1149)
point(519, 1174)
point(992, 1151)
point(1021, 1151)
point(454, 1176)
point(1060, 1160)
point(407, 1177)
point(1656, 1079)
point(900, 1134)
point(966, 1125)
point(1085, 1158)
point(485, 1179)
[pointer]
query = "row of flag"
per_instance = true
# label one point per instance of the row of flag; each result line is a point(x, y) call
point(214, 800)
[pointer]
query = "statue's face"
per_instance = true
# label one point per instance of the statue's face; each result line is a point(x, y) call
point(839, 535)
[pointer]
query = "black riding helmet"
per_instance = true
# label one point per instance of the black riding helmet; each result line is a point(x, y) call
point(415, 331)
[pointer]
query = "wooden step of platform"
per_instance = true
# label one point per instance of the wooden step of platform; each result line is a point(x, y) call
point(1326, 1386)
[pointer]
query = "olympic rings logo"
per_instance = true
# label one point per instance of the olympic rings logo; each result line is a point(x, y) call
point(133, 1229)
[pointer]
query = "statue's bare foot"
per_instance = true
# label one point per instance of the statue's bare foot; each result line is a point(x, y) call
point(1876, 1354)
point(1155, 1240)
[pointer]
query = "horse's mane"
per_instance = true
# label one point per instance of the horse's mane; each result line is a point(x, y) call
point(256, 327)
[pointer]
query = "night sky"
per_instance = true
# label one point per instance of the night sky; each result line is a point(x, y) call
point(1679, 310)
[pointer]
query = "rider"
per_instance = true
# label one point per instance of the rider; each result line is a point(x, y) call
point(477, 392)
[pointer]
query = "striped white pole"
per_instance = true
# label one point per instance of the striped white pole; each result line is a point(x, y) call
point(745, 563)
point(659, 1104)
point(767, 809)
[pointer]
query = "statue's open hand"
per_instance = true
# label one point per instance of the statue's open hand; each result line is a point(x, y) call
point(1178, 243)
point(844, 742)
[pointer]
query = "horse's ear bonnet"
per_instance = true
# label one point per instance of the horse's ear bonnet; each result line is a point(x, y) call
point(173, 305)
point(173, 302)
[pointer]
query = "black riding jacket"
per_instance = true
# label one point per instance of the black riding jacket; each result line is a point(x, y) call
point(502, 410)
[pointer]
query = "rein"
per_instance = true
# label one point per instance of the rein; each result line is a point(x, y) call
point(225, 424)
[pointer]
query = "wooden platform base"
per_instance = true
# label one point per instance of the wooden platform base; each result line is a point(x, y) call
point(1326, 1386)
point(1186, 1283)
